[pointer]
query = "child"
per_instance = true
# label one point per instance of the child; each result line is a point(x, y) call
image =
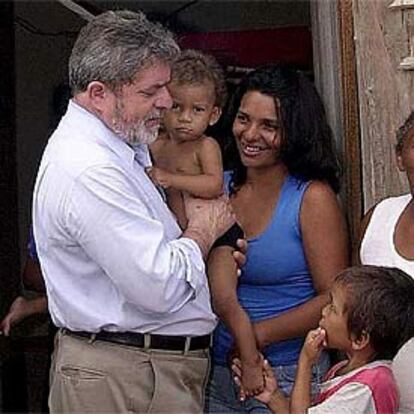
point(370, 316)
point(185, 159)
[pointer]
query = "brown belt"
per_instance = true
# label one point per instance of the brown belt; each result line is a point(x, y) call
point(148, 341)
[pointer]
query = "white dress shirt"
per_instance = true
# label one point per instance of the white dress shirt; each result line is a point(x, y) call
point(109, 247)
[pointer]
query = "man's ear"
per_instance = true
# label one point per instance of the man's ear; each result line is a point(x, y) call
point(98, 94)
point(360, 343)
point(215, 115)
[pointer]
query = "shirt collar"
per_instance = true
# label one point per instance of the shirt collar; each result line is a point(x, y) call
point(142, 155)
point(96, 129)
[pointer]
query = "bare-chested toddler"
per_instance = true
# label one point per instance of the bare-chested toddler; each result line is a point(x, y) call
point(185, 159)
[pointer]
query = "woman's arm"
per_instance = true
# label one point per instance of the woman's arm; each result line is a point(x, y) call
point(325, 243)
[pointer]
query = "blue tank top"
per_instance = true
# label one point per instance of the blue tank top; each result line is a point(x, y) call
point(275, 277)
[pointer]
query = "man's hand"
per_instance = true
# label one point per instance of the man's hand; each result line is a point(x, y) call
point(160, 177)
point(208, 220)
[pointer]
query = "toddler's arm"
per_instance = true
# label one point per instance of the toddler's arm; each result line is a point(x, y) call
point(222, 272)
point(208, 184)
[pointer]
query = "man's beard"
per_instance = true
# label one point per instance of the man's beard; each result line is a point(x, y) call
point(134, 132)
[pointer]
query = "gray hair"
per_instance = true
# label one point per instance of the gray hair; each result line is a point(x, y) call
point(114, 46)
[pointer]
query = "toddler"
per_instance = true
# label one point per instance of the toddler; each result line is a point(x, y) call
point(185, 159)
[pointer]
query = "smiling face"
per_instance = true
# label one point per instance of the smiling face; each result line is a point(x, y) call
point(335, 321)
point(256, 129)
point(135, 110)
point(192, 111)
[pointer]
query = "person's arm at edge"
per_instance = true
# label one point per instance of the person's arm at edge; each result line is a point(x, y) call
point(326, 252)
point(356, 255)
point(20, 309)
point(32, 275)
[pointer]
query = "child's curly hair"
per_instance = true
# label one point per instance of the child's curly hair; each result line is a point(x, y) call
point(194, 68)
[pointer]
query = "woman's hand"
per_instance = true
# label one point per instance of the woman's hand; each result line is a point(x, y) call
point(252, 376)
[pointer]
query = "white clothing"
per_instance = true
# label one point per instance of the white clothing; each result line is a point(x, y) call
point(354, 398)
point(109, 247)
point(369, 389)
point(403, 368)
point(377, 247)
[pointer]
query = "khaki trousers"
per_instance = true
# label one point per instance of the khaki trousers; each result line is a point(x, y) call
point(99, 377)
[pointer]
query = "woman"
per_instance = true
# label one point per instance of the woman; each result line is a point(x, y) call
point(282, 190)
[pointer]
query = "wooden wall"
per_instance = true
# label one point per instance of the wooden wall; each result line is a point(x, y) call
point(335, 78)
point(386, 93)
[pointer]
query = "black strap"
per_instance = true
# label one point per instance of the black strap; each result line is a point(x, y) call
point(163, 342)
point(230, 237)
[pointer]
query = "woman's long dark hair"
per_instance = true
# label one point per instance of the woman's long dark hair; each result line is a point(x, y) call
point(307, 147)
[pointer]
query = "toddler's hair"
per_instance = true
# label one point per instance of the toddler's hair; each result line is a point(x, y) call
point(195, 68)
point(379, 302)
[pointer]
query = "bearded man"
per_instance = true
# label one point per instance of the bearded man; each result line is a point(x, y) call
point(125, 286)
